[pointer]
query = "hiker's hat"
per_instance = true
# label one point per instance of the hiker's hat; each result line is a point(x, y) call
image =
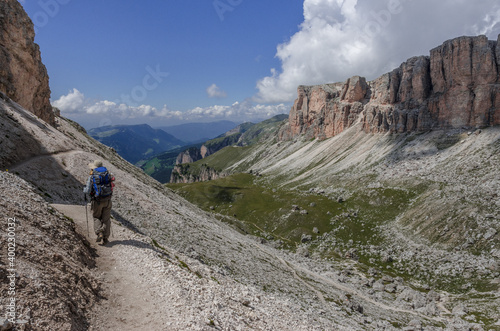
point(95, 164)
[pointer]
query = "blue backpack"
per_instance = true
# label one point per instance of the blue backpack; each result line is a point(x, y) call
point(101, 183)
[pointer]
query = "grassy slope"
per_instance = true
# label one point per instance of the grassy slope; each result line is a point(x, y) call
point(266, 211)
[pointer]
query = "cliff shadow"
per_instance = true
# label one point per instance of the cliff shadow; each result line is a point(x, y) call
point(415, 145)
point(23, 154)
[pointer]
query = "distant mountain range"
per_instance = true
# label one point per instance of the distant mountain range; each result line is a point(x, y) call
point(198, 132)
point(136, 142)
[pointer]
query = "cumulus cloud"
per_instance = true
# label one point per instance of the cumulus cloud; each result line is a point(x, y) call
point(70, 103)
point(214, 91)
point(342, 38)
point(76, 103)
point(246, 110)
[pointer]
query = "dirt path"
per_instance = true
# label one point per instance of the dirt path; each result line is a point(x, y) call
point(128, 303)
point(68, 152)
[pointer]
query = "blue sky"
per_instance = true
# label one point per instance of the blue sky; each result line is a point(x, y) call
point(165, 62)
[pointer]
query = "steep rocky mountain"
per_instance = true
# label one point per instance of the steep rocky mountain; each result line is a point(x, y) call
point(458, 85)
point(136, 142)
point(195, 269)
point(198, 132)
point(23, 76)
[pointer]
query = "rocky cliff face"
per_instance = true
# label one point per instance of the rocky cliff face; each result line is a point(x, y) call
point(457, 85)
point(183, 174)
point(23, 77)
point(190, 155)
point(210, 147)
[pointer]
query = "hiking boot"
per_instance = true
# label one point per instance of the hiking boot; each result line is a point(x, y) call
point(105, 241)
point(99, 238)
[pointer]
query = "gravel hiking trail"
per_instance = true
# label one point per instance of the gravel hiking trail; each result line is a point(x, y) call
point(127, 302)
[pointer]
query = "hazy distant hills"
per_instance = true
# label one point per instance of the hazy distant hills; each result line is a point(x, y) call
point(199, 132)
point(136, 142)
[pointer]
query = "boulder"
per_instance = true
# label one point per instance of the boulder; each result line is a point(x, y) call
point(306, 238)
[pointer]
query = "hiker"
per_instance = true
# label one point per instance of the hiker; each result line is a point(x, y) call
point(100, 188)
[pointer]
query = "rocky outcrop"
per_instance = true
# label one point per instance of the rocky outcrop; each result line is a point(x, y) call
point(458, 85)
point(190, 155)
point(23, 77)
point(194, 154)
point(183, 174)
point(212, 146)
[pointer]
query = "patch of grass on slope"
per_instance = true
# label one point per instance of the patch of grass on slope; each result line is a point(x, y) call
point(263, 212)
point(218, 161)
point(287, 215)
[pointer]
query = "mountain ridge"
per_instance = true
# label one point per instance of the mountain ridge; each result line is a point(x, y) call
point(458, 85)
point(198, 132)
point(136, 142)
point(244, 134)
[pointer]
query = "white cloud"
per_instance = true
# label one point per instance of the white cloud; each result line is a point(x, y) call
point(342, 38)
point(214, 91)
point(246, 110)
point(70, 103)
point(489, 24)
point(76, 103)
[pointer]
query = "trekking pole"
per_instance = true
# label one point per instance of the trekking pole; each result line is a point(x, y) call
point(86, 215)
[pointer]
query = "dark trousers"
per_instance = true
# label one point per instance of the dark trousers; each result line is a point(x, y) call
point(101, 211)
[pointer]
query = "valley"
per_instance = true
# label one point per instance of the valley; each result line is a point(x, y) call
point(394, 215)
point(373, 205)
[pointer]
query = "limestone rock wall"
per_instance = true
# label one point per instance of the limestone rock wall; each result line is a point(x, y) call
point(23, 77)
point(458, 85)
point(188, 156)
